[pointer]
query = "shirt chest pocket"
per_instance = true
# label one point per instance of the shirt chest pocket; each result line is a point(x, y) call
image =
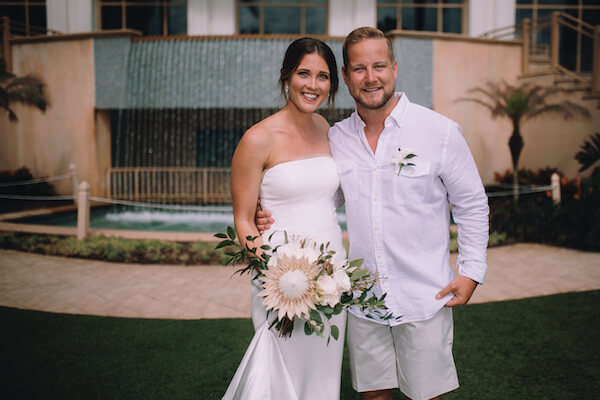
point(348, 171)
point(410, 186)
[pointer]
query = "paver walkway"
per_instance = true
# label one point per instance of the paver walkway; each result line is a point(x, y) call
point(70, 285)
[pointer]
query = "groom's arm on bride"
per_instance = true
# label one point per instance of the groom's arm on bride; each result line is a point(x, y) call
point(262, 219)
point(249, 160)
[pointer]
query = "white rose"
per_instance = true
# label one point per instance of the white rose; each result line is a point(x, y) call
point(328, 287)
point(399, 155)
point(342, 281)
point(291, 249)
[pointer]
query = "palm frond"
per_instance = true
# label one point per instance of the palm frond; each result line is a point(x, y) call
point(27, 90)
point(565, 108)
point(589, 153)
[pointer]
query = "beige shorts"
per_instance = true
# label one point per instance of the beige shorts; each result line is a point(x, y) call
point(415, 357)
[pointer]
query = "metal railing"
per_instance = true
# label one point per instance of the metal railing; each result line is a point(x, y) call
point(557, 24)
point(10, 29)
point(183, 185)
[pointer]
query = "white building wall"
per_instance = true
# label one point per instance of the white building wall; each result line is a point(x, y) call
point(218, 17)
point(486, 15)
point(346, 15)
point(211, 17)
point(70, 16)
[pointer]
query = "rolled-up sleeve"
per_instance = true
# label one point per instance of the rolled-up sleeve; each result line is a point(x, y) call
point(470, 208)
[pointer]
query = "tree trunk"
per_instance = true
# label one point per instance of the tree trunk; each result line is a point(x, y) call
point(516, 145)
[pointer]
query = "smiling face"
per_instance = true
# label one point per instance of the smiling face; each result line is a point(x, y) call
point(370, 74)
point(309, 83)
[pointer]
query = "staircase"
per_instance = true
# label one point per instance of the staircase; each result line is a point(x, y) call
point(542, 59)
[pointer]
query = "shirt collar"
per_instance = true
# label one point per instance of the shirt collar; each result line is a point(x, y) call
point(396, 116)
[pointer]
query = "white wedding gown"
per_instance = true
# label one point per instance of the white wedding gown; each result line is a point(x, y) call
point(300, 194)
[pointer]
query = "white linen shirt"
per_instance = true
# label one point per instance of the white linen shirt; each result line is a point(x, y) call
point(399, 223)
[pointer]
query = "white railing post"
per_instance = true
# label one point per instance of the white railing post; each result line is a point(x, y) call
point(75, 180)
point(555, 179)
point(83, 210)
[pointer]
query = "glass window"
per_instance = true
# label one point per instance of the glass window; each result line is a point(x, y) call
point(386, 18)
point(147, 19)
point(282, 17)
point(452, 20)
point(421, 15)
point(28, 17)
point(249, 20)
point(151, 17)
point(282, 20)
point(575, 49)
point(315, 21)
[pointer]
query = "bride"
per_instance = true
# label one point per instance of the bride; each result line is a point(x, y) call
point(285, 161)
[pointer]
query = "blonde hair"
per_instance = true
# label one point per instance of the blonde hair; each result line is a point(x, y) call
point(360, 34)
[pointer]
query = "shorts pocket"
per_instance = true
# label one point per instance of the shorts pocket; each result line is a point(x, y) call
point(348, 171)
point(410, 186)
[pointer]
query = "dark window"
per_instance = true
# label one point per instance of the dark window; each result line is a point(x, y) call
point(27, 17)
point(151, 17)
point(282, 17)
point(421, 15)
point(575, 48)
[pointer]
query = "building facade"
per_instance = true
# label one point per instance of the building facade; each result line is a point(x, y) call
point(174, 84)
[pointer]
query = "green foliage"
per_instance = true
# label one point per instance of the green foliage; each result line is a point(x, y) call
point(27, 90)
point(574, 223)
point(589, 153)
point(116, 249)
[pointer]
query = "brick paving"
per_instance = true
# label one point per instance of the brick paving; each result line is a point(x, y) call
point(76, 286)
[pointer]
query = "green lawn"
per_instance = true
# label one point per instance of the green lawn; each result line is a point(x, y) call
point(541, 348)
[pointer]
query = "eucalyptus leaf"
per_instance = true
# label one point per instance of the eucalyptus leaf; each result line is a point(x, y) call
point(335, 332)
point(231, 232)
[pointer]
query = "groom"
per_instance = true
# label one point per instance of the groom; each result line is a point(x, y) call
point(400, 166)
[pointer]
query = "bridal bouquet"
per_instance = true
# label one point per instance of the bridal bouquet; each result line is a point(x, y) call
point(301, 281)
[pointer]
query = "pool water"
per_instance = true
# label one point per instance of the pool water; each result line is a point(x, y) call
point(207, 219)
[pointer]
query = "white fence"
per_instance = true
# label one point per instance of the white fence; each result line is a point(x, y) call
point(169, 185)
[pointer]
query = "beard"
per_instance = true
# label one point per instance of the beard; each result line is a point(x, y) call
point(375, 106)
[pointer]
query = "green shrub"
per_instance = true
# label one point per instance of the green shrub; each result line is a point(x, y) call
point(574, 223)
point(116, 249)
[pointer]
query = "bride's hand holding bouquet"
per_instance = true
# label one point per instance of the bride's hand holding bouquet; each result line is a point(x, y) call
point(305, 281)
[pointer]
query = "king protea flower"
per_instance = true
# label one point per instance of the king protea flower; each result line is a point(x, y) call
point(288, 284)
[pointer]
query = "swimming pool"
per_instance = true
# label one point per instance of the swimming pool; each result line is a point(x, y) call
point(206, 219)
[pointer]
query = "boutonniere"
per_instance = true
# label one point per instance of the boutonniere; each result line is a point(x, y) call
point(401, 157)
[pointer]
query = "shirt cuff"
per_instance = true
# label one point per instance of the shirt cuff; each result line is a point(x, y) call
point(475, 271)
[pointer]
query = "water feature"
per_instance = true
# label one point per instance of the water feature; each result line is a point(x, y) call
point(205, 219)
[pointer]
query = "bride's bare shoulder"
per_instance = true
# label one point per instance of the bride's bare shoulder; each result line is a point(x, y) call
point(321, 123)
point(259, 134)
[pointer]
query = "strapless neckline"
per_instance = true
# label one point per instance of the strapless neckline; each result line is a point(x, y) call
point(309, 158)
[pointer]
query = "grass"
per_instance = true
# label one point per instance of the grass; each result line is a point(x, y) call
point(540, 348)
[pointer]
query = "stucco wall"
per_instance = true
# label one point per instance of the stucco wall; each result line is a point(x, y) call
point(461, 65)
point(48, 143)
point(550, 141)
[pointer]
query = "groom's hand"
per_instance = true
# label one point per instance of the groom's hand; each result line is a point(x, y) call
point(262, 219)
point(461, 287)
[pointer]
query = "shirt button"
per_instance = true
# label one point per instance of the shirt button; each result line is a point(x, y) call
point(374, 198)
point(376, 228)
point(374, 169)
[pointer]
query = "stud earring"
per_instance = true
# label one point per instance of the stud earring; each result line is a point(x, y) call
point(286, 90)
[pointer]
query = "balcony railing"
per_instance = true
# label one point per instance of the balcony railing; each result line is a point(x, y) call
point(557, 27)
point(182, 185)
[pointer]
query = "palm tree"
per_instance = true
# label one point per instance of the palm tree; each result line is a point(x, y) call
point(520, 104)
point(27, 90)
point(589, 153)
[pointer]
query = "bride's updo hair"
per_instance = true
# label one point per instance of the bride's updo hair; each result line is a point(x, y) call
point(298, 49)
